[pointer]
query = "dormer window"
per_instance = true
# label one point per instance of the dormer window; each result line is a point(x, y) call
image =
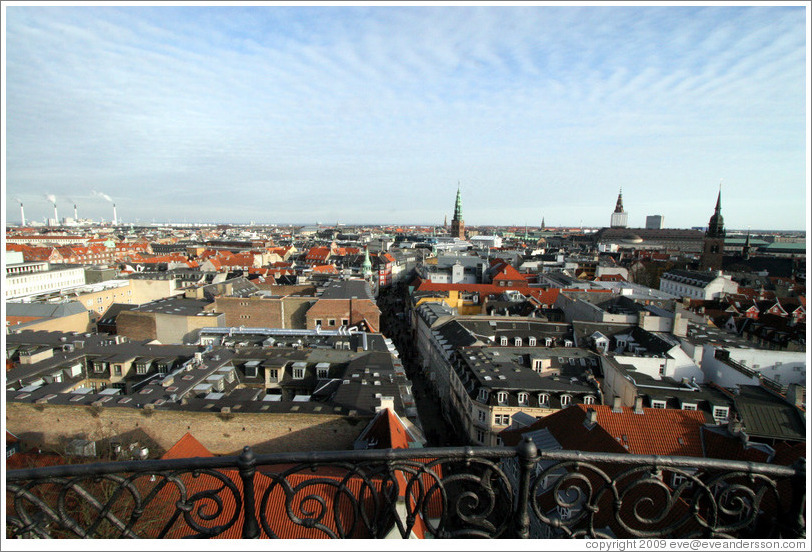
point(501, 397)
point(589, 399)
point(657, 404)
point(689, 406)
point(503, 341)
point(483, 395)
point(544, 399)
point(720, 413)
point(566, 400)
point(531, 342)
point(524, 399)
point(517, 341)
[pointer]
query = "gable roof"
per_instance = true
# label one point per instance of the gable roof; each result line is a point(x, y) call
point(187, 447)
point(660, 431)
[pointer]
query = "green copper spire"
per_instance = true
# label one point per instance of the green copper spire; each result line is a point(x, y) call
point(366, 267)
point(458, 205)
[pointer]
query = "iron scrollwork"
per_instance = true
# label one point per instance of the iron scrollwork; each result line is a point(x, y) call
point(454, 492)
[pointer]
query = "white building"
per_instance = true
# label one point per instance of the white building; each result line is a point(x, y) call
point(486, 241)
point(698, 285)
point(732, 366)
point(23, 279)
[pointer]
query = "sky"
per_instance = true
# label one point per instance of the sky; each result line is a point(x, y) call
point(375, 114)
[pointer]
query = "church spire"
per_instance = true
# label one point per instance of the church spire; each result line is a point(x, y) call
point(619, 204)
point(716, 224)
point(457, 224)
point(458, 205)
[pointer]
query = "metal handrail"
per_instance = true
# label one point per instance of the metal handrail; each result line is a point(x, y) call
point(455, 492)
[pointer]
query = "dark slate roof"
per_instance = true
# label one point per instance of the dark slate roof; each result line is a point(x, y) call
point(700, 276)
point(347, 289)
point(179, 306)
point(768, 416)
point(45, 310)
point(114, 310)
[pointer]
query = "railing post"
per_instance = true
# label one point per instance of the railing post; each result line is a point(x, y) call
point(247, 464)
point(798, 518)
point(527, 456)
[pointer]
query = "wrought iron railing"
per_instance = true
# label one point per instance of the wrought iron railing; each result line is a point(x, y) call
point(460, 492)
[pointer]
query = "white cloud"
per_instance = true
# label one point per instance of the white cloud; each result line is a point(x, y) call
point(369, 98)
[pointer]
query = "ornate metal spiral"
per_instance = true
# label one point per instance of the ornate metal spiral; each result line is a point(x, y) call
point(440, 493)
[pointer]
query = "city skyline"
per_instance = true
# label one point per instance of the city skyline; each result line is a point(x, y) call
point(374, 115)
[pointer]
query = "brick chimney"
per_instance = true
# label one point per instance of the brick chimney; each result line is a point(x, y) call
point(591, 418)
point(638, 404)
point(796, 394)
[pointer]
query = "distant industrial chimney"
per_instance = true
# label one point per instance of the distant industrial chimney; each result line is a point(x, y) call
point(75, 213)
point(56, 216)
point(115, 218)
point(22, 215)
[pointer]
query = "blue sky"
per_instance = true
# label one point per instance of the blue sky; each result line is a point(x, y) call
point(374, 114)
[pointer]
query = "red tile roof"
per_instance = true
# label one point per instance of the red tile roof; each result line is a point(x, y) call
point(187, 447)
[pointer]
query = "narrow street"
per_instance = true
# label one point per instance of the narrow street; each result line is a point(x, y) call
point(439, 432)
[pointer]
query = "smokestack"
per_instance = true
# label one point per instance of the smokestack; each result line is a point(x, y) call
point(75, 213)
point(22, 215)
point(56, 216)
point(115, 218)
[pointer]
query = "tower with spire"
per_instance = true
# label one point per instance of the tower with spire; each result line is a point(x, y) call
point(457, 224)
point(619, 216)
point(714, 243)
point(746, 248)
point(366, 266)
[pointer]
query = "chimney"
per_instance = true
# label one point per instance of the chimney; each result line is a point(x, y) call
point(22, 215)
point(56, 216)
point(638, 404)
point(75, 213)
point(591, 418)
point(796, 394)
point(386, 402)
point(616, 405)
point(115, 218)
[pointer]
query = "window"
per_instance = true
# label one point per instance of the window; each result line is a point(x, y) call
point(140, 369)
point(544, 399)
point(482, 415)
point(318, 321)
point(273, 374)
point(566, 400)
point(720, 413)
point(483, 395)
point(531, 342)
point(501, 419)
point(298, 373)
point(117, 369)
point(524, 399)
point(480, 436)
point(517, 341)
point(589, 399)
point(331, 321)
point(537, 364)
point(503, 341)
point(501, 397)
point(678, 479)
point(345, 321)
point(322, 372)
point(657, 404)
point(662, 370)
point(688, 406)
